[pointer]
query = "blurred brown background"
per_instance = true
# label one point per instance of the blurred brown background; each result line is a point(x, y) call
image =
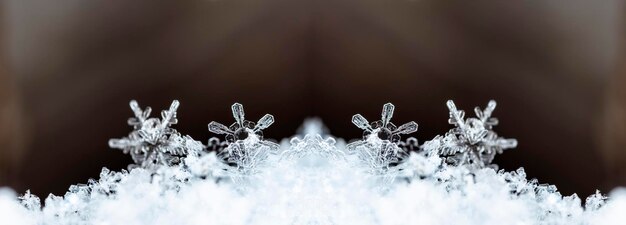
point(69, 68)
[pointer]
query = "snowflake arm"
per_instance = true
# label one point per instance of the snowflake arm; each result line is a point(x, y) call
point(456, 116)
point(168, 117)
point(406, 128)
point(140, 115)
point(263, 123)
point(387, 113)
point(219, 128)
point(485, 115)
point(361, 122)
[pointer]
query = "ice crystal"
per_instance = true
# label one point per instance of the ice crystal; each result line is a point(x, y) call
point(472, 142)
point(595, 201)
point(30, 201)
point(246, 150)
point(153, 142)
point(313, 182)
point(312, 144)
point(379, 146)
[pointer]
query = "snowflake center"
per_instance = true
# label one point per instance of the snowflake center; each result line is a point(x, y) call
point(241, 133)
point(384, 134)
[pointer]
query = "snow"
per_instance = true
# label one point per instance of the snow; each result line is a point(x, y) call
point(313, 178)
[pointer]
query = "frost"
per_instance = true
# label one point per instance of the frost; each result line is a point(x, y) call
point(312, 180)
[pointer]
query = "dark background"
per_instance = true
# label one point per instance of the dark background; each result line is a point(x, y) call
point(555, 68)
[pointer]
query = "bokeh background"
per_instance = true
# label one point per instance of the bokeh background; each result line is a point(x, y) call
point(68, 69)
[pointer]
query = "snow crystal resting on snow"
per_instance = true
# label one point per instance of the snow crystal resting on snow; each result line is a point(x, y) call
point(313, 178)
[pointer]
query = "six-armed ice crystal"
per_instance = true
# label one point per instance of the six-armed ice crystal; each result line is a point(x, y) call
point(246, 150)
point(379, 147)
point(472, 142)
point(153, 142)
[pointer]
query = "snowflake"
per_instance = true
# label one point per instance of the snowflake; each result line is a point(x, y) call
point(379, 146)
point(472, 142)
point(153, 142)
point(246, 149)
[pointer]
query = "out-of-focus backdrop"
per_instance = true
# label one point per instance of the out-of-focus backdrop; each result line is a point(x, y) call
point(69, 68)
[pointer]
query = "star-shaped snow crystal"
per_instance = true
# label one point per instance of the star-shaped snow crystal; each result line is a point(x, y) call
point(379, 146)
point(472, 142)
point(153, 142)
point(242, 128)
point(246, 148)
